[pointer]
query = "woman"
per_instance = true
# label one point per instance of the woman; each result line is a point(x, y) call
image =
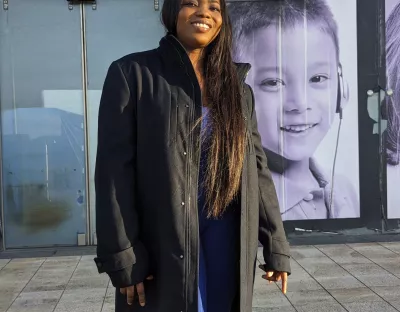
point(181, 196)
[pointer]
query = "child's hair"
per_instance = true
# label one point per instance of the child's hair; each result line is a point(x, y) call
point(393, 82)
point(250, 16)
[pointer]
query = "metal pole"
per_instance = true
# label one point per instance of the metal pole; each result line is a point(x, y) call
point(85, 124)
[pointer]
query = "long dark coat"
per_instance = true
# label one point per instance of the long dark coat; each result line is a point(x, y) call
point(147, 182)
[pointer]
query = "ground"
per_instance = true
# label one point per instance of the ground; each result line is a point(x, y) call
point(325, 278)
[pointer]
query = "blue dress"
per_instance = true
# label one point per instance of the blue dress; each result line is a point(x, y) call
point(219, 248)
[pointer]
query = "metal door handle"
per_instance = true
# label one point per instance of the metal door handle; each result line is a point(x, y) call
point(71, 3)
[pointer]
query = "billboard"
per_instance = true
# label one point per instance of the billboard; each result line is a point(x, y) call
point(304, 77)
point(392, 136)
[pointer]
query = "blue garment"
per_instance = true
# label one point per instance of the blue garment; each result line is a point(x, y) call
point(219, 249)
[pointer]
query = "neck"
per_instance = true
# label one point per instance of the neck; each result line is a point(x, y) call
point(297, 170)
point(197, 59)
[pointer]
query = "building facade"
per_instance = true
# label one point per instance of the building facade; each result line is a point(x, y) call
point(54, 56)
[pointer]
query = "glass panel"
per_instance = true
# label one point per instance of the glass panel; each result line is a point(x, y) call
point(112, 31)
point(42, 124)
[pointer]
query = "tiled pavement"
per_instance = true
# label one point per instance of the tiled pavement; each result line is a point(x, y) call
point(329, 278)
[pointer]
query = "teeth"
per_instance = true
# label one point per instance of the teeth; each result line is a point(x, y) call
point(205, 26)
point(297, 128)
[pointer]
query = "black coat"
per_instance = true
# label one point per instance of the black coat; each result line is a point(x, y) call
point(147, 182)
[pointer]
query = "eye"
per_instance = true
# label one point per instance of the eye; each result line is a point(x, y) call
point(273, 83)
point(319, 78)
point(189, 3)
point(215, 9)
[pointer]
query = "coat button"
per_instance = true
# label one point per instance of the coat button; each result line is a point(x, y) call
point(184, 153)
point(183, 204)
point(181, 256)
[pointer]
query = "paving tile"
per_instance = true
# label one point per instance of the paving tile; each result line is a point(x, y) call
point(109, 301)
point(108, 307)
point(77, 282)
point(88, 258)
point(7, 297)
point(20, 269)
point(81, 300)
point(321, 306)
point(302, 252)
point(300, 298)
point(393, 246)
point(379, 280)
point(3, 263)
point(343, 254)
point(344, 282)
point(302, 284)
point(9, 291)
point(262, 298)
point(54, 274)
point(364, 269)
point(369, 306)
point(340, 250)
point(388, 293)
point(297, 269)
point(36, 302)
point(374, 251)
point(279, 309)
point(354, 294)
point(395, 304)
point(390, 265)
point(323, 269)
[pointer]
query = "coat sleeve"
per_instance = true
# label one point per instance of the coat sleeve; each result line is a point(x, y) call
point(119, 252)
point(271, 234)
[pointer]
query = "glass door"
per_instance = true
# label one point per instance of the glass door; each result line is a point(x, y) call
point(114, 29)
point(42, 124)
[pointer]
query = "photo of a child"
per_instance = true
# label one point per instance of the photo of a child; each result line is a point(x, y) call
point(300, 89)
point(393, 107)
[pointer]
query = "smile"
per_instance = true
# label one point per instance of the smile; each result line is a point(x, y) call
point(201, 25)
point(297, 128)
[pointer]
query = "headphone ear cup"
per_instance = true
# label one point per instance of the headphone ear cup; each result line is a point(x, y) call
point(339, 96)
point(343, 92)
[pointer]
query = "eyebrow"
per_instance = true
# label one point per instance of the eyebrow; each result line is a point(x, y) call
point(268, 69)
point(321, 64)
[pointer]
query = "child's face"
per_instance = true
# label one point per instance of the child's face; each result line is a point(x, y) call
point(295, 81)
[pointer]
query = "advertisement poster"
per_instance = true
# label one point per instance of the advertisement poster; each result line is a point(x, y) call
point(393, 107)
point(304, 78)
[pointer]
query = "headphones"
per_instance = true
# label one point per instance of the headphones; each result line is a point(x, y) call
point(342, 95)
point(343, 92)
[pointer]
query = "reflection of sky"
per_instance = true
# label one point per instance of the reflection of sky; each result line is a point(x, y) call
point(62, 131)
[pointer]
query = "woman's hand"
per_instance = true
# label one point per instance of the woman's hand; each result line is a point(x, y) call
point(274, 276)
point(130, 292)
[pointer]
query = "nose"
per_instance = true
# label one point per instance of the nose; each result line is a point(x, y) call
point(296, 99)
point(203, 11)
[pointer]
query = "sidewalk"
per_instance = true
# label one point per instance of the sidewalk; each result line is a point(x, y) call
point(352, 277)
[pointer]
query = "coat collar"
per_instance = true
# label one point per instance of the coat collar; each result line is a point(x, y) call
point(173, 52)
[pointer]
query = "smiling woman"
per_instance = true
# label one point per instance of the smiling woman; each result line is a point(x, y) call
point(183, 191)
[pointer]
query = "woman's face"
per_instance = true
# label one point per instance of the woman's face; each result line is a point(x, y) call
point(199, 23)
point(295, 82)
